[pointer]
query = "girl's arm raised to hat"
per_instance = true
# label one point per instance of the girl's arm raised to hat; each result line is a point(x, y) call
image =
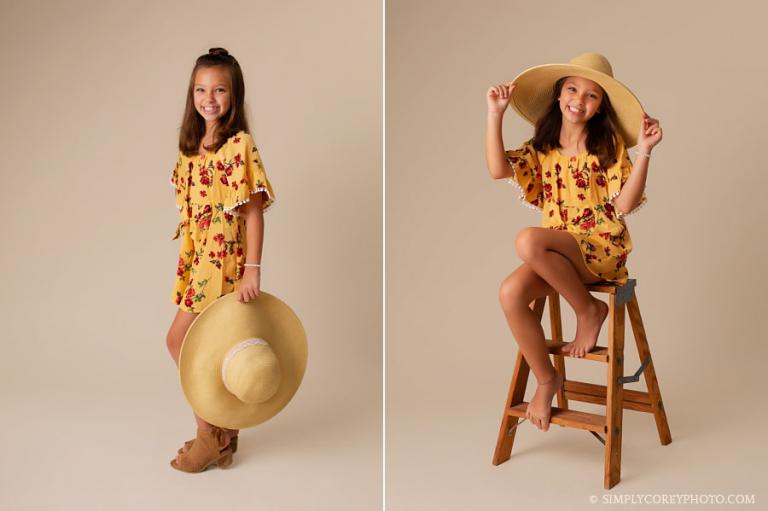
point(495, 156)
point(632, 191)
point(498, 99)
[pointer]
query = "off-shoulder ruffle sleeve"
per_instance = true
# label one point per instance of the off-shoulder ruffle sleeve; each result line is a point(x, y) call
point(526, 175)
point(617, 176)
point(247, 176)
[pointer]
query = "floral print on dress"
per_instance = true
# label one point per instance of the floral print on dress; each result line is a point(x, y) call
point(575, 194)
point(209, 189)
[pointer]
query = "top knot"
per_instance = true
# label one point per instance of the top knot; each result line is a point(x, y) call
point(218, 52)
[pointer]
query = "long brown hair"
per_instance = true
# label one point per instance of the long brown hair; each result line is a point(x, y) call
point(602, 129)
point(193, 125)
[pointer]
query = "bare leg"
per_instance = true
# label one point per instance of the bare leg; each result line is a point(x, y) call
point(517, 291)
point(174, 340)
point(555, 257)
point(552, 262)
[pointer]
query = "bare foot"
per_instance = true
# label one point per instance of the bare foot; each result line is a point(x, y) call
point(587, 329)
point(539, 409)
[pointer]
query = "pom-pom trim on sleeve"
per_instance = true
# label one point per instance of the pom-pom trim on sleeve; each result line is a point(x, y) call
point(270, 201)
point(619, 213)
point(173, 185)
point(521, 197)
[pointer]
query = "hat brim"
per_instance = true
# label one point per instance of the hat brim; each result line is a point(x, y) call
point(222, 324)
point(533, 93)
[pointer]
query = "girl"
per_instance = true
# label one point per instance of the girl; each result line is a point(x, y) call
point(576, 170)
point(221, 193)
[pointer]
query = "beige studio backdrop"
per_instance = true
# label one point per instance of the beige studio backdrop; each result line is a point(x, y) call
point(699, 251)
point(92, 99)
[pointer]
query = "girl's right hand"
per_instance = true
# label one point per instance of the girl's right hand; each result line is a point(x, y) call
point(498, 97)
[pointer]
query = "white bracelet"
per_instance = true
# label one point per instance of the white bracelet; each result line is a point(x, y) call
point(257, 265)
point(647, 155)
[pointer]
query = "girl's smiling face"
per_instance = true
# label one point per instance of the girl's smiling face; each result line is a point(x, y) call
point(212, 91)
point(580, 99)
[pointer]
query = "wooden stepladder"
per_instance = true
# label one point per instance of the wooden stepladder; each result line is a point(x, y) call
point(612, 395)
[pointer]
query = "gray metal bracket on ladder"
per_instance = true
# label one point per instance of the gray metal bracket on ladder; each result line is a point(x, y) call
point(636, 376)
point(625, 293)
point(598, 437)
point(512, 428)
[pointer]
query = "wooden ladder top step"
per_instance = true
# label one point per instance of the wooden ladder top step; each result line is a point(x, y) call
point(567, 418)
point(603, 287)
point(623, 294)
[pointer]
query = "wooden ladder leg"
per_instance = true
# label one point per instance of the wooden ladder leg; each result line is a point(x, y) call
point(643, 350)
point(515, 396)
point(556, 330)
point(614, 403)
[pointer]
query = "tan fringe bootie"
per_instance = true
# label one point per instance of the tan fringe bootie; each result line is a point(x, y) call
point(206, 450)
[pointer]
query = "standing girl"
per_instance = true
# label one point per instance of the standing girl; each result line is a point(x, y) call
point(575, 170)
point(221, 194)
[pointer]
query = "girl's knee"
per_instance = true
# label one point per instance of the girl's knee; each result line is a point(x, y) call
point(511, 291)
point(526, 243)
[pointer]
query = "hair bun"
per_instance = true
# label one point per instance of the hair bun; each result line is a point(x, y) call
point(218, 51)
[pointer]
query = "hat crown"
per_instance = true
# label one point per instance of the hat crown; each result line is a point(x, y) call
point(251, 371)
point(593, 61)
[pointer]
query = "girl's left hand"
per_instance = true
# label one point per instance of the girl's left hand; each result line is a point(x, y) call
point(249, 284)
point(650, 132)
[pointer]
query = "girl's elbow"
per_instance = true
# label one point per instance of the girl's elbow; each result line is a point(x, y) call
point(499, 172)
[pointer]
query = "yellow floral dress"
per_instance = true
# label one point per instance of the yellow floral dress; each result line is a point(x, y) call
point(213, 248)
point(575, 194)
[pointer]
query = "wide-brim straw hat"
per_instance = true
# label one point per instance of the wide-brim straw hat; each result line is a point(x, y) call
point(532, 96)
point(241, 363)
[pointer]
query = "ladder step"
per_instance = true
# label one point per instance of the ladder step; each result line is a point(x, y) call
point(598, 353)
point(595, 394)
point(567, 418)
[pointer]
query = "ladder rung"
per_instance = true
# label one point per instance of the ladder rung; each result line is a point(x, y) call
point(591, 393)
point(599, 353)
point(567, 418)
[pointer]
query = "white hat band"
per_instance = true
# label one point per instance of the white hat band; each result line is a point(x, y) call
point(234, 350)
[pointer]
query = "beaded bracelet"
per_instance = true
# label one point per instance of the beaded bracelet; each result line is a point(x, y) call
point(257, 265)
